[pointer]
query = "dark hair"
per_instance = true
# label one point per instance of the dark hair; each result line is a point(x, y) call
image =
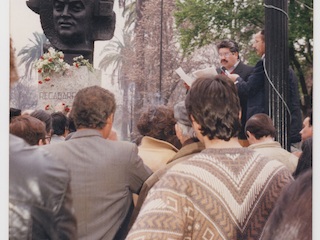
point(44, 117)
point(71, 127)
point(14, 112)
point(227, 43)
point(260, 125)
point(158, 122)
point(291, 217)
point(92, 106)
point(28, 128)
point(214, 104)
point(59, 123)
point(305, 159)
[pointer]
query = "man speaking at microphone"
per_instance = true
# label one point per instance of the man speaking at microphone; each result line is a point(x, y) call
point(231, 63)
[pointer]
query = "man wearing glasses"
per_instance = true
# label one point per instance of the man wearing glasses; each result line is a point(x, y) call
point(254, 88)
point(231, 63)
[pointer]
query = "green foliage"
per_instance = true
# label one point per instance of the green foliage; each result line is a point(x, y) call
point(301, 30)
point(201, 22)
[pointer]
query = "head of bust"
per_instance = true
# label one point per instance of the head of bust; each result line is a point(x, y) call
point(72, 26)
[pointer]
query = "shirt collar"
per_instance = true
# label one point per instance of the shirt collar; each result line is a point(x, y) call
point(234, 66)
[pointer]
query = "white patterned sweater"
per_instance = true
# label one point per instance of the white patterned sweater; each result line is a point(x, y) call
point(217, 194)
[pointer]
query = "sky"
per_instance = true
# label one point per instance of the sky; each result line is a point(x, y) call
point(18, 21)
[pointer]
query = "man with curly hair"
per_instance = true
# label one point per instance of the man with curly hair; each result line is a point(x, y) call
point(225, 191)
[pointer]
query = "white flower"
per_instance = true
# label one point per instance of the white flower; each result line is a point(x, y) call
point(51, 50)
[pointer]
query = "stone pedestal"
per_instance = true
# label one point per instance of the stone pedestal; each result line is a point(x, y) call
point(61, 89)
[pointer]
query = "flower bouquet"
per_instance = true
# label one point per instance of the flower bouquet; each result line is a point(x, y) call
point(53, 62)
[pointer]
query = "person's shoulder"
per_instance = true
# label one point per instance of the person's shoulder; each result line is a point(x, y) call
point(123, 148)
point(121, 144)
point(37, 159)
point(245, 66)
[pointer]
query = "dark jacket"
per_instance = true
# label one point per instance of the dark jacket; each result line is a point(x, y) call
point(40, 205)
point(254, 89)
point(295, 108)
point(244, 72)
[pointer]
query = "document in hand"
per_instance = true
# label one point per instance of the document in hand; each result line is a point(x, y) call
point(188, 80)
point(207, 72)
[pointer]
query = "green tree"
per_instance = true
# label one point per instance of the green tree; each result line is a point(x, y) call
point(206, 21)
point(301, 45)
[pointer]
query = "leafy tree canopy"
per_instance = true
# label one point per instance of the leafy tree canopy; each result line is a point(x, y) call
point(201, 22)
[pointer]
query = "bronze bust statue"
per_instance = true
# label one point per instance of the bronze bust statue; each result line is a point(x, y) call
point(72, 26)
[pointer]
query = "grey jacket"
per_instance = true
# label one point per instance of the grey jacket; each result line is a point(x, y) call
point(39, 194)
point(104, 174)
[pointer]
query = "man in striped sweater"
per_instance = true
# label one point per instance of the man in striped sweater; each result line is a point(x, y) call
point(223, 192)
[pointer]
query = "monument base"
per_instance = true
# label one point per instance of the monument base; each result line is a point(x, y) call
point(60, 90)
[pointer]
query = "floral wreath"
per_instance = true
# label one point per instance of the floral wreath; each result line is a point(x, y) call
point(53, 62)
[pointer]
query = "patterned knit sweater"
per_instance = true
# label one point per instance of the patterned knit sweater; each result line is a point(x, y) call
point(216, 194)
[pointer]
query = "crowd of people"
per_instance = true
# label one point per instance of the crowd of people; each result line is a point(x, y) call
point(207, 168)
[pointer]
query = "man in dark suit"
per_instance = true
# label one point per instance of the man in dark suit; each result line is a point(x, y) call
point(254, 88)
point(230, 61)
point(104, 173)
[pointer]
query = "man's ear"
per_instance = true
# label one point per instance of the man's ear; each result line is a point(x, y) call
point(40, 143)
point(107, 128)
point(250, 135)
point(110, 119)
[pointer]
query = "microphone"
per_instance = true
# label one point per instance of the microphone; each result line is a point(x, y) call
point(226, 72)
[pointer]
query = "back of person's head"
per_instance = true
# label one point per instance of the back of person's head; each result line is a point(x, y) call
point(44, 117)
point(291, 217)
point(305, 159)
point(183, 120)
point(92, 106)
point(158, 122)
point(31, 129)
point(71, 127)
point(14, 112)
point(231, 45)
point(214, 105)
point(59, 123)
point(260, 125)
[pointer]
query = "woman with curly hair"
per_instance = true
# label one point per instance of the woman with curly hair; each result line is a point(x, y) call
point(159, 142)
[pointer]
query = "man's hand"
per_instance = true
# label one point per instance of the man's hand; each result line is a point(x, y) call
point(233, 76)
